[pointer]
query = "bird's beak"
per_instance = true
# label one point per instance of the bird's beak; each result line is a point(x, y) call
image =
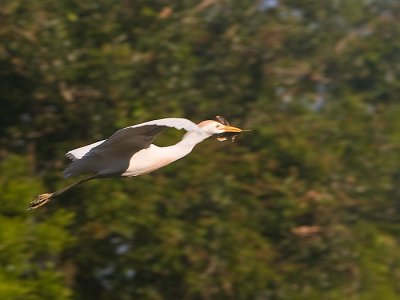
point(231, 129)
point(230, 133)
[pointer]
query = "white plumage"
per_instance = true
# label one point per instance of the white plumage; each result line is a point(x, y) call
point(178, 123)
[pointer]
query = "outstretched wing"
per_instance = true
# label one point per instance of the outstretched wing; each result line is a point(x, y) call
point(178, 123)
point(112, 156)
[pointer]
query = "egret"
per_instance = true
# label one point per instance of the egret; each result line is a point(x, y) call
point(130, 151)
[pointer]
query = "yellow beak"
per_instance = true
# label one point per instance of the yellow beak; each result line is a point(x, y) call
point(231, 129)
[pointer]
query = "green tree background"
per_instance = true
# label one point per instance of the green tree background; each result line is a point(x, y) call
point(304, 207)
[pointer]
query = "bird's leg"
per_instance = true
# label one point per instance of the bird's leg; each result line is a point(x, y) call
point(44, 198)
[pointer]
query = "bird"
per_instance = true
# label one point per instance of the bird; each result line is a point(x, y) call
point(130, 151)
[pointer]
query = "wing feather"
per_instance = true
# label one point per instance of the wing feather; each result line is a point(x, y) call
point(178, 123)
point(112, 156)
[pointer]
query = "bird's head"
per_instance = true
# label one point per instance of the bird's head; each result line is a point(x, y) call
point(212, 127)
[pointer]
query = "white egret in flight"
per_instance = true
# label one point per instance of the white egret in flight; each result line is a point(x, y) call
point(130, 152)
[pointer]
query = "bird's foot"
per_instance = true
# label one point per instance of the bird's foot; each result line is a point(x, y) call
point(40, 200)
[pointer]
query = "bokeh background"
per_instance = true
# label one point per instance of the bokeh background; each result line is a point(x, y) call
point(306, 206)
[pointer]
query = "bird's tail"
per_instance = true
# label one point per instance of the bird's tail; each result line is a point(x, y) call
point(40, 200)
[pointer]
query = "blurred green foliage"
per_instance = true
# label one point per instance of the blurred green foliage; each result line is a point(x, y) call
point(306, 206)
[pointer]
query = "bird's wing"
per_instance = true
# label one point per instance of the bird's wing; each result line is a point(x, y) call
point(178, 123)
point(80, 152)
point(113, 155)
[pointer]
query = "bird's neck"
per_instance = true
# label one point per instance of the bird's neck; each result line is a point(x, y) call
point(192, 138)
point(185, 146)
